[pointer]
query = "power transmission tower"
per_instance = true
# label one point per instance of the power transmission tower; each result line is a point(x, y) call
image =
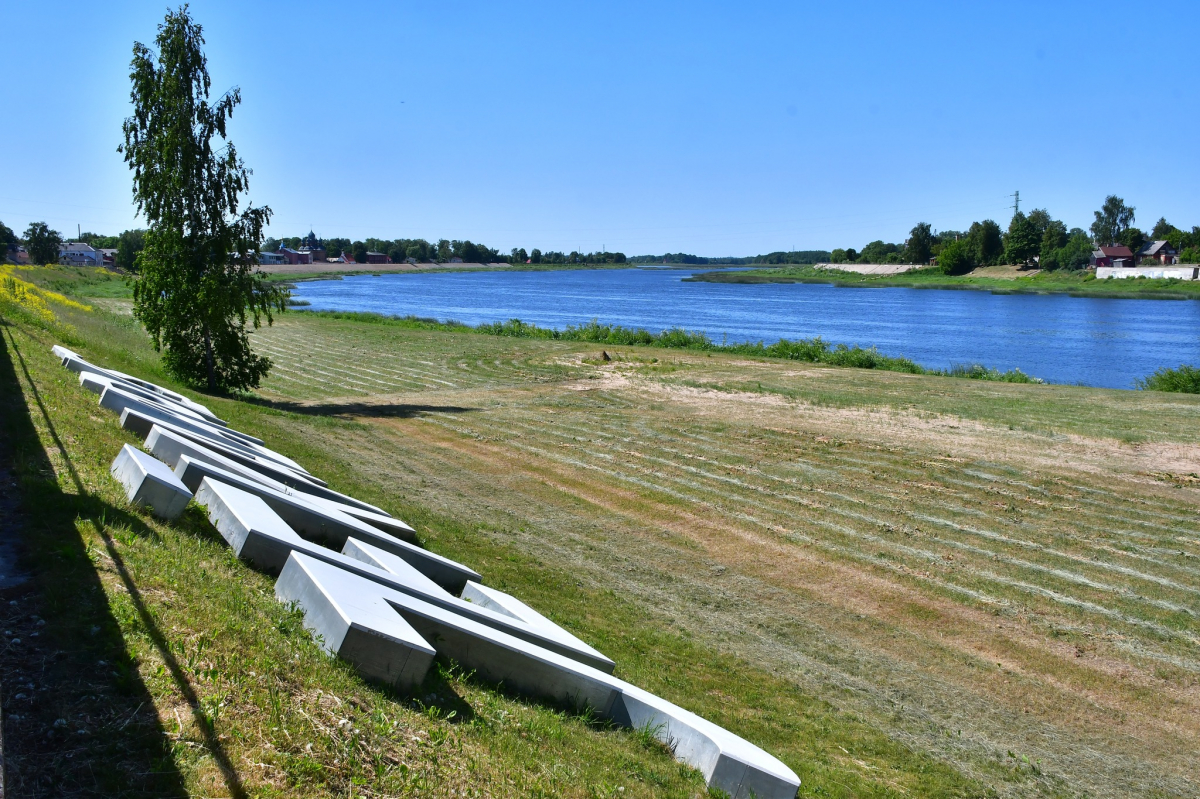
point(1016, 195)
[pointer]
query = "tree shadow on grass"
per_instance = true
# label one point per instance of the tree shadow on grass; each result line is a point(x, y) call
point(78, 717)
point(364, 409)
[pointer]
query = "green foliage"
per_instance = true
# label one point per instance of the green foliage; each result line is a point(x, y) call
point(1074, 254)
point(957, 257)
point(1163, 230)
point(985, 242)
point(1111, 220)
point(8, 240)
point(879, 252)
point(129, 244)
point(42, 243)
point(1191, 255)
point(1054, 237)
point(1041, 220)
point(1022, 241)
point(98, 241)
point(790, 257)
point(1184, 380)
point(838, 256)
point(200, 285)
point(919, 247)
point(976, 371)
point(1132, 238)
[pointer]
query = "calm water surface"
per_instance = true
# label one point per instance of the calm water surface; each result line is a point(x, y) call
point(1098, 342)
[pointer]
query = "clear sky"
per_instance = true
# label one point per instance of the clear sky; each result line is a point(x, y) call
point(718, 129)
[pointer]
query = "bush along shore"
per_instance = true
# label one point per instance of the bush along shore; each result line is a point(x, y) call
point(814, 350)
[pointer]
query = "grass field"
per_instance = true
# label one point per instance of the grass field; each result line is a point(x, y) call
point(997, 279)
point(901, 585)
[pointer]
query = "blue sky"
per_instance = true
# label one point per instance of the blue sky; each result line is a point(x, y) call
point(717, 129)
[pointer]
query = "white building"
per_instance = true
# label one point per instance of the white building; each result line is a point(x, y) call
point(76, 253)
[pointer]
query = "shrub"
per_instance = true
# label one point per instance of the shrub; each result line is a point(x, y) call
point(956, 258)
point(1184, 380)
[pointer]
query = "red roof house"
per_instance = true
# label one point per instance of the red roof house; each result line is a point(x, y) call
point(1113, 256)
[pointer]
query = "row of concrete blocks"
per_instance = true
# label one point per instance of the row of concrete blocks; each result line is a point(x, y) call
point(378, 601)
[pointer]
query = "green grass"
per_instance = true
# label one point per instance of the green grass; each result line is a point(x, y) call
point(815, 350)
point(216, 689)
point(900, 584)
point(1083, 284)
point(81, 282)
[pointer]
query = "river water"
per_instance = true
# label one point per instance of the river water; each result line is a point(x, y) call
point(1061, 339)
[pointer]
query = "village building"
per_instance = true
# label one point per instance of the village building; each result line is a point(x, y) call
point(1160, 251)
point(1119, 256)
point(295, 256)
point(378, 258)
point(76, 253)
point(272, 259)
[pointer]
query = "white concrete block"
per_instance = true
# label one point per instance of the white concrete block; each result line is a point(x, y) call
point(174, 443)
point(359, 628)
point(255, 532)
point(727, 761)
point(188, 403)
point(93, 382)
point(141, 424)
point(62, 353)
point(167, 447)
point(116, 399)
point(149, 482)
point(322, 523)
point(143, 429)
point(389, 524)
point(143, 390)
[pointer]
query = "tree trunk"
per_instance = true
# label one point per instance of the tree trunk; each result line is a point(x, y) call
point(208, 361)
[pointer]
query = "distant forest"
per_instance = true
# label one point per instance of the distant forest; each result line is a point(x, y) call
point(1035, 236)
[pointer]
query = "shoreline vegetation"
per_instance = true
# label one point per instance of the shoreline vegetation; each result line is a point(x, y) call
point(997, 280)
point(814, 350)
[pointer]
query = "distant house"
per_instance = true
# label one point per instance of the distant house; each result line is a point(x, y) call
point(21, 255)
point(456, 260)
point(1161, 251)
point(295, 256)
point(76, 253)
point(272, 258)
point(109, 257)
point(377, 258)
point(1119, 256)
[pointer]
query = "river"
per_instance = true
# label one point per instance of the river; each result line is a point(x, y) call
point(1061, 339)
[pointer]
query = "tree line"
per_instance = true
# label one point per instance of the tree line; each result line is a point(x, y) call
point(1035, 236)
point(422, 251)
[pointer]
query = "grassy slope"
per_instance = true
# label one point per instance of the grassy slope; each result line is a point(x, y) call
point(1081, 284)
point(215, 689)
point(935, 580)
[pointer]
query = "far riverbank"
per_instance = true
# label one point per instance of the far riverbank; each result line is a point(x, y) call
point(994, 279)
point(291, 273)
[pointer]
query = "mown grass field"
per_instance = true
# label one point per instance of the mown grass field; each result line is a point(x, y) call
point(900, 585)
